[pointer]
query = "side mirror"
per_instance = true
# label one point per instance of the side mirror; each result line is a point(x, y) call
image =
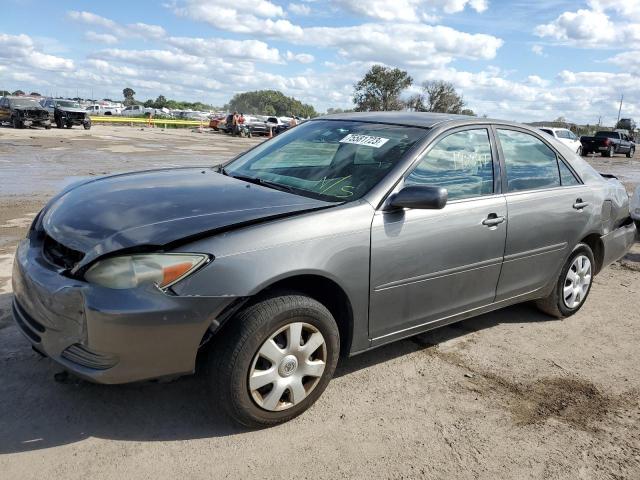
point(420, 197)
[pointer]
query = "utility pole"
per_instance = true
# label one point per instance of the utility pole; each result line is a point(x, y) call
point(620, 109)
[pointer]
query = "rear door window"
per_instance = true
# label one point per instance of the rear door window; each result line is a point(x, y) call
point(530, 163)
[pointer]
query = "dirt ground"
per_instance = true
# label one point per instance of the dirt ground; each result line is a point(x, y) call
point(511, 394)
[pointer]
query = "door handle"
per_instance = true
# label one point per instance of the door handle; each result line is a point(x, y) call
point(492, 220)
point(579, 205)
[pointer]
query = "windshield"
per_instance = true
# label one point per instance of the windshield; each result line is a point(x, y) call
point(67, 103)
point(331, 160)
point(23, 102)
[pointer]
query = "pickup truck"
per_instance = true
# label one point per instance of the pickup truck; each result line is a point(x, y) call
point(103, 110)
point(608, 144)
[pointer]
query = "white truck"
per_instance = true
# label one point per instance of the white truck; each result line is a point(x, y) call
point(103, 110)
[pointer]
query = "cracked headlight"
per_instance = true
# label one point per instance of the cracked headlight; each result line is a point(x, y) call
point(131, 271)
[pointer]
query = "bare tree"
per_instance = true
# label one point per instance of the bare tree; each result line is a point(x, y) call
point(438, 96)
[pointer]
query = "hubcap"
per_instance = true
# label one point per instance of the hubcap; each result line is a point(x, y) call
point(577, 282)
point(287, 367)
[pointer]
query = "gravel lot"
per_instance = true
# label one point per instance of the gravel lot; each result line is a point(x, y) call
point(511, 394)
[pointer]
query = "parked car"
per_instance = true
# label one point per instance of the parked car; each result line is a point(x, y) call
point(257, 125)
point(340, 235)
point(634, 207)
point(277, 125)
point(608, 144)
point(103, 110)
point(137, 111)
point(565, 136)
point(23, 112)
point(217, 121)
point(66, 113)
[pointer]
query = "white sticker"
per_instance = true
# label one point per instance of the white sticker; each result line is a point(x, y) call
point(367, 140)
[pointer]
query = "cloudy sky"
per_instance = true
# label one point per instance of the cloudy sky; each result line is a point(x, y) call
point(521, 59)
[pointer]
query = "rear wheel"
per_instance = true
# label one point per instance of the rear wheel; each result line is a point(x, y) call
point(609, 152)
point(17, 123)
point(274, 360)
point(631, 152)
point(573, 284)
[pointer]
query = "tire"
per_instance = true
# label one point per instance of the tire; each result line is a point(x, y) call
point(17, 123)
point(609, 153)
point(47, 127)
point(555, 304)
point(631, 152)
point(59, 123)
point(237, 354)
point(579, 151)
point(87, 126)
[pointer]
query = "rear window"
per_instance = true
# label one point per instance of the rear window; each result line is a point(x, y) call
point(608, 134)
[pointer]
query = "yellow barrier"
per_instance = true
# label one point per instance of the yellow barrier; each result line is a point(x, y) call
point(148, 121)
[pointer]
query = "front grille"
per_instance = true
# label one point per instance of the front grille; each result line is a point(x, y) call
point(82, 355)
point(59, 255)
point(29, 325)
point(75, 115)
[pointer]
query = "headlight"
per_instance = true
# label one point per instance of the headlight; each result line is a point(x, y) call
point(130, 271)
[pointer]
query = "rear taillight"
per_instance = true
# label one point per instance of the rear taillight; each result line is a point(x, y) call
point(607, 142)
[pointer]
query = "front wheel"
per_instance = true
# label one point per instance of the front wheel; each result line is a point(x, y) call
point(631, 152)
point(573, 284)
point(17, 123)
point(273, 360)
point(579, 151)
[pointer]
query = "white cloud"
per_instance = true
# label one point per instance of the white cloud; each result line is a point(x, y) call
point(420, 44)
point(92, 19)
point(147, 31)
point(299, 9)
point(300, 57)
point(538, 50)
point(105, 38)
point(115, 30)
point(20, 50)
point(408, 10)
point(157, 59)
point(224, 48)
point(594, 27)
point(260, 18)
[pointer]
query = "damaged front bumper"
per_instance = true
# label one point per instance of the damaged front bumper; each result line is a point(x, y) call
point(105, 335)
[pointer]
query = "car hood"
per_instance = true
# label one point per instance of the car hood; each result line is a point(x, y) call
point(30, 107)
point(160, 207)
point(71, 109)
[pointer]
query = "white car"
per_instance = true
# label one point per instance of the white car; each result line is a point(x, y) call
point(634, 206)
point(565, 136)
point(103, 110)
point(137, 111)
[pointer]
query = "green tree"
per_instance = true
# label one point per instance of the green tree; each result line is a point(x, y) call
point(468, 111)
point(18, 92)
point(128, 94)
point(439, 96)
point(269, 102)
point(380, 89)
point(35, 94)
point(4, 93)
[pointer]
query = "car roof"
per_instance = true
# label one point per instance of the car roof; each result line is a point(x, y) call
point(411, 119)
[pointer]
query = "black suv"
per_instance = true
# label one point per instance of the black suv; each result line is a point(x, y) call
point(23, 112)
point(66, 113)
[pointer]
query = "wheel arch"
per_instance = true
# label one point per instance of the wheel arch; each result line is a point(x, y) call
point(324, 290)
point(597, 247)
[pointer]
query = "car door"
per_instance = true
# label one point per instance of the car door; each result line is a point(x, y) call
point(428, 265)
point(548, 206)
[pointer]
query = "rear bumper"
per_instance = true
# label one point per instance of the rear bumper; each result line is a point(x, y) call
point(618, 242)
point(105, 335)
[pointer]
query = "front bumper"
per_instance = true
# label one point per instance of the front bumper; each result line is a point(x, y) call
point(618, 242)
point(105, 335)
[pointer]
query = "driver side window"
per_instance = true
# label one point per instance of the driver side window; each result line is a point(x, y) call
point(461, 162)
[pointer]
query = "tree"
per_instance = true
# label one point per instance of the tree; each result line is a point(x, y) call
point(128, 94)
point(18, 92)
point(4, 93)
point(380, 89)
point(468, 111)
point(439, 96)
point(269, 102)
point(35, 94)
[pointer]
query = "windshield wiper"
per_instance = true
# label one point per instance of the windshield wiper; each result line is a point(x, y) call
point(262, 182)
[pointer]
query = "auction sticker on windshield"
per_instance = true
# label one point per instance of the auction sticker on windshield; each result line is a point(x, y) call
point(367, 140)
